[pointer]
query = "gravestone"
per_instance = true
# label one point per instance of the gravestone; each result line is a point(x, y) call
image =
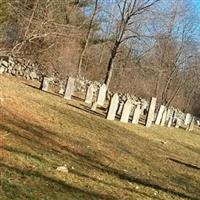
point(187, 119)
point(164, 116)
point(102, 95)
point(169, 123)
point(61, 91)
point(136, 114)
point(190, 126)
point(45, 84)
point(126, 111)
point(178, 123)
point(150, 115)
point(113, 107)
point(94, 106)
point(120, 108)
point(69, 89)
point(160, 114)
point(89, 94)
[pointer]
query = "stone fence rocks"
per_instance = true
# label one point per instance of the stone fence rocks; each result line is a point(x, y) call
point(19, 67)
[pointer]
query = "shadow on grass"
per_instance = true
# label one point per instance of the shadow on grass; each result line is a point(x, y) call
point(37, 88)
point(39, 135)
point(67, 187)
point(184, 163)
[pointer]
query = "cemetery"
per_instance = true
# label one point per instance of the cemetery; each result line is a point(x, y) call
point(79, 134)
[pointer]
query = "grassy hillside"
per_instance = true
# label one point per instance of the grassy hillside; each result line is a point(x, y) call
point(40, 131)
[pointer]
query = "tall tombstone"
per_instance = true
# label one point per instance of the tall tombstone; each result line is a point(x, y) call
point(69, 89)
point(190, 126)
point(112, 110)
point(164, 116)
point(169, 123)
point(160, 114)
point(120, 108)
point(126, 111)
point(150, 115)
point(187, 119)
point(136, 115)
point(169, 113)
point(102, 95)
point(178, 123)
point(45, 84)
point(89, 94)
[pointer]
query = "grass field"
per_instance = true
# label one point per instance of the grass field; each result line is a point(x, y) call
point(40, 131)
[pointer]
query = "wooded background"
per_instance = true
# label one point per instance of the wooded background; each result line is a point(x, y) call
point(142, 47)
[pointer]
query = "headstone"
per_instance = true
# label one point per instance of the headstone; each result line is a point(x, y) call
point(150, 115)
point(102, 95)
point(190, 126)
point(61, 91)
point(164, 116)
point(69, 88)
point(2, 69)
point(94, 106)
point(178, 123)
point(113, 107)
point(126, 111)
point(169, 123)
point(174, 115)
point(136, 114)
point(187, 119)
point(120, 108)
point(89, 94)
point(160, 114)
point(45, 84)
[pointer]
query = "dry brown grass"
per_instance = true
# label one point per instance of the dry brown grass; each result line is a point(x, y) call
point(106, 160)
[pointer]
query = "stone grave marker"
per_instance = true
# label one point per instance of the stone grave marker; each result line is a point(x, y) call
point(136, 115)
point(150, 115)
point(102, 95)
point(89, 94)
point(164, 116)
point(69, 89)
point(45, 84)
point(178, 123)
point(190, 126)
point(169, 123)
point(113, 107)
point(159, 115)
point(126, 111)
point(187, 119)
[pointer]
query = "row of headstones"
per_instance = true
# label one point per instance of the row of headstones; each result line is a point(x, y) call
point(164, 116)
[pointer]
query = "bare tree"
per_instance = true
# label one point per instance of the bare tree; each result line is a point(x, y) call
point(87, 38)
point(128, 10)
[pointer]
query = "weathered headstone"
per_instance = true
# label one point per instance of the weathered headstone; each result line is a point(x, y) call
point(94, 106)
point(178, 123)
point(126, 111)
point(136, 114)
point(163, 120)
point(61, 91)
point(190, 126)
point(113, 107)
point(89, 94)
point(69, 89)
point(160, 114)
point(120, 108)
point(150, 115)
point(187, 119)
point(169, 123)
point(102, 95)
point(45, 84)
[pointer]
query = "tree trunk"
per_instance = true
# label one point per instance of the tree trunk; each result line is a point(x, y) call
point(87, 39)
point(110, 63)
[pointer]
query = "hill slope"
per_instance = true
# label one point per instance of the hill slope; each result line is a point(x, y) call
point(106, 160)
